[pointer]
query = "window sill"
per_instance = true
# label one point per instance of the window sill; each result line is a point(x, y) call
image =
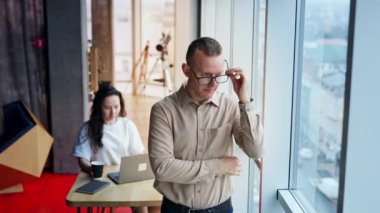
point(292, 201)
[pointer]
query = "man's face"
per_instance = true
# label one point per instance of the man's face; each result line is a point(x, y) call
point(203, 66)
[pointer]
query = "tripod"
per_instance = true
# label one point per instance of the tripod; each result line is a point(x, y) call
point(143, 66)
point(146, 78)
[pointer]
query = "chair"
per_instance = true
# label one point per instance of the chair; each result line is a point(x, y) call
point(24, 146)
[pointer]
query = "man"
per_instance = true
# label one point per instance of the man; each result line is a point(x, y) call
point(190, 135)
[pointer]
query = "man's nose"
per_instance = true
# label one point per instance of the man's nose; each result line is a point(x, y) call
point(213, 82)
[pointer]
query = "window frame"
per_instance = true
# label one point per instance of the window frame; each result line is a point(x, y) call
point(285, 196)
point(279, 70)
point(280, 44)
point(298, 61)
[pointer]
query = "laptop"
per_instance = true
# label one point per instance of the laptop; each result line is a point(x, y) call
point(132, 168)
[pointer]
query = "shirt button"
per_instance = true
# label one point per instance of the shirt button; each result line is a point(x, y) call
point(199, 191)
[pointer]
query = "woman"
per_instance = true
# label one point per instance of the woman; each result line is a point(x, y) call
point(108, 135)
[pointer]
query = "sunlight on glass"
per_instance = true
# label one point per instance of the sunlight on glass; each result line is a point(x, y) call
point(319, 110)
point(258, 88)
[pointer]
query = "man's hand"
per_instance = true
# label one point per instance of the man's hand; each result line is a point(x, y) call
point(239, 83)
point(230, 165)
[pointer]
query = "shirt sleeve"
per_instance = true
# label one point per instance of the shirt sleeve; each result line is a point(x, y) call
point(166, 167)
point(135, 146)
point(248, 130)
point(82, 148)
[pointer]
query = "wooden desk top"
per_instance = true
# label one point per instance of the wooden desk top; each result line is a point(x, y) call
point(133, 194)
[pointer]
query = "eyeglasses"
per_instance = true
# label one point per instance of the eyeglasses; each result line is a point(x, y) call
point(207, 80)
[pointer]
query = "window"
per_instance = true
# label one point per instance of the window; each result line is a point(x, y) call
point(150, 25)
point(122, 37)
point(157, 29)
point(258, 93)
point(319, 103)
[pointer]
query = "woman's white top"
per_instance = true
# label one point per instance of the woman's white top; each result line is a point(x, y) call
point(119, 139)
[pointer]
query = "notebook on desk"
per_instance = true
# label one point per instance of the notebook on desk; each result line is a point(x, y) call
point(92, 187)
point(132, 169)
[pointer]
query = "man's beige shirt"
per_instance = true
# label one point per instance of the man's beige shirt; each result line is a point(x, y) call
point(186, 140)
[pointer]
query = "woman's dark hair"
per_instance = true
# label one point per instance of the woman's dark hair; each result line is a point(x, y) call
point(95, 124)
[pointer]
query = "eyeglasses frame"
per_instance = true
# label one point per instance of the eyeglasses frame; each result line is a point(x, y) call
point(211, 78)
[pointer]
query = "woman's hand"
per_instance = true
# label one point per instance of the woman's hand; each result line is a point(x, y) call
point(85, 165)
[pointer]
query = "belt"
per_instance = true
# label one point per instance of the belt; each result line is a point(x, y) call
point(169, 206)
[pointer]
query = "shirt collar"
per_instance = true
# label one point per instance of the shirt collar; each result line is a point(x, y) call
point(185, 99)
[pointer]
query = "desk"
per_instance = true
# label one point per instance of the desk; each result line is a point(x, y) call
point(134, 194)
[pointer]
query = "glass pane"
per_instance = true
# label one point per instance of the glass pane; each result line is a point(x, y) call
point(89, 22)
point(259, 53)
point(319, 102)
point(122, 22)
point(157, 31)
point(258, 88)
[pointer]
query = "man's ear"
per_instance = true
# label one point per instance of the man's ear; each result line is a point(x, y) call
point(186, 69)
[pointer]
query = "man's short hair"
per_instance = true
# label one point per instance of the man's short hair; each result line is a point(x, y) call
point(207, 45)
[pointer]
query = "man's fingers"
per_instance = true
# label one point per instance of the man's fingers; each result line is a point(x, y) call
point(231, 165)
point(237, 168)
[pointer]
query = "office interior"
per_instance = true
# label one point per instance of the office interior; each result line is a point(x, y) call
point(312, 67)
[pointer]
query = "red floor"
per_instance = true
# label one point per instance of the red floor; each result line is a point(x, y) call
point(43, 195)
